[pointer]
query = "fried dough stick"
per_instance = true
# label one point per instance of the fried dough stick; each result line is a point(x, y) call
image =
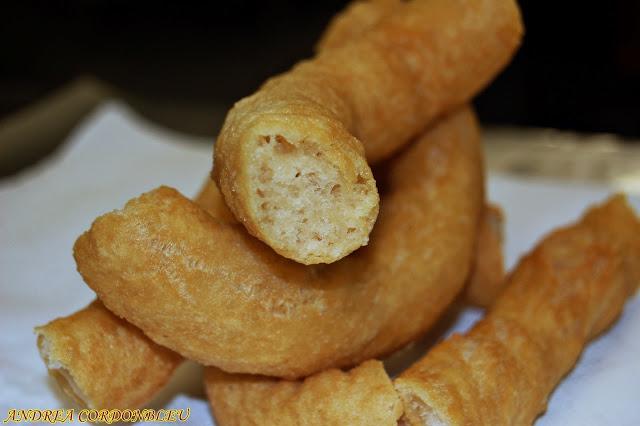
point(563, 294)
point(224, 299)
point(102, 361)
point(79, 373)
point(290, 159)
point(363, 396)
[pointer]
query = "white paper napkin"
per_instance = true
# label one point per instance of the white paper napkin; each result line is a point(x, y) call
point(115, 156)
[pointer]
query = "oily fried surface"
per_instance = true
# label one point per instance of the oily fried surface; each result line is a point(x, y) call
point(363, 396)
point(564, 293)
point(224, 299)
point(102, 361)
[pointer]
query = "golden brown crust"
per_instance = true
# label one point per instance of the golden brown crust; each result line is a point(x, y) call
point(567, 291)
point(101, 361)
point(487, 279)
point(363, 396)
point(219, 294)
point(424, 59)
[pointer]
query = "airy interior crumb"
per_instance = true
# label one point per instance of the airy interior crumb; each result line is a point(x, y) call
point(302, 201)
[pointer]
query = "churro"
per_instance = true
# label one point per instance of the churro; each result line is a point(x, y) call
point(291, 160)
point(363, 396)
point(102, 361)
point(571, 288)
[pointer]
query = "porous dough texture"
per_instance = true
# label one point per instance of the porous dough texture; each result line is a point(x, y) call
point(102, 361)
point(224, 299)
point(567, 291)
point(291, 160)
point(362, 396)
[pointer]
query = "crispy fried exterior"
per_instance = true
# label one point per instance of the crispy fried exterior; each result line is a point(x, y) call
point(226, 300)
point(290, 159)
point(363, 396)
point(487, 277)
point(567, 291)
point(102, 361)
point(353, 22)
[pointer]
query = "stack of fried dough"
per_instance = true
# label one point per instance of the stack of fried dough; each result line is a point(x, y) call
point(264, 279)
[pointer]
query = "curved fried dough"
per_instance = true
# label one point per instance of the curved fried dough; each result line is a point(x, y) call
point(563, 294)
point(363, 396)
point(102, 328)
point(102, 361)
point(144, 375)
point(290, 159)
point(224, 299)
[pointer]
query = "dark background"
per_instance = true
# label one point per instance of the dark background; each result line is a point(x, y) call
point(579, 66)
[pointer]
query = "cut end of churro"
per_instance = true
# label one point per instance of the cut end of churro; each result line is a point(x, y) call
point(307, 210)
point(59, 372)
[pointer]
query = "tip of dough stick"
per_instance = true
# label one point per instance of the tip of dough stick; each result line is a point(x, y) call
point(307, 208)
point(59, 372)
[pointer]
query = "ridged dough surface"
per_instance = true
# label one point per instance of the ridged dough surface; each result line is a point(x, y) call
point(102, 361)
point(363, 396)
point(567, 291)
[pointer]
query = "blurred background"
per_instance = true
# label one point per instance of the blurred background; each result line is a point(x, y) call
point(182, 64)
